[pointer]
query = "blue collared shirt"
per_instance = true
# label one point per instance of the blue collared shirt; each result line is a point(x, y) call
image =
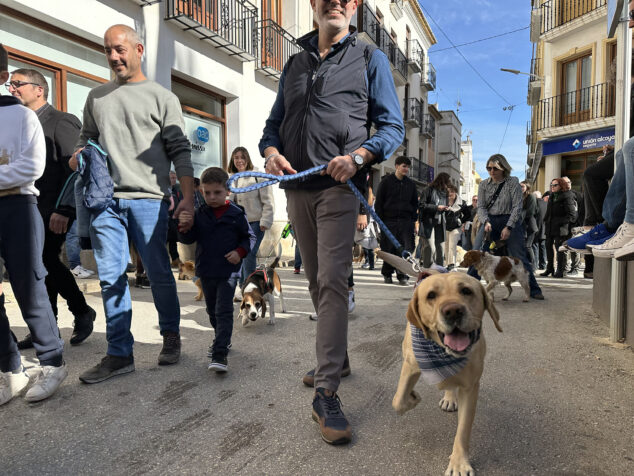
point(384, 108)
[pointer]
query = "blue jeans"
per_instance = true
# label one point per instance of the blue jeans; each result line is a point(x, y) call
point(73, 250)
point(145, 222)
point(618, 205)
point(219, 300)
point(251, 260)
point(515, 246)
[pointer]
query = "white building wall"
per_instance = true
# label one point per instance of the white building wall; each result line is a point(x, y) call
point(466, 168)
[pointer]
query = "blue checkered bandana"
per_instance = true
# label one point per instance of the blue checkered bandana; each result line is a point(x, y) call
point(435, 363)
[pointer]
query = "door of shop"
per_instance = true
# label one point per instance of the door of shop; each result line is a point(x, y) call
point(573, 166)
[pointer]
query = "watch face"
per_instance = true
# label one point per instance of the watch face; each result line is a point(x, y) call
point(358, 159)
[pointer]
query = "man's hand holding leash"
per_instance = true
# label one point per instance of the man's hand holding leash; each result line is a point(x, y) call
point(276, 163)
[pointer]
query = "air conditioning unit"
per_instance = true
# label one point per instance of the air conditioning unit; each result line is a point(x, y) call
point(534, 92)
point(536, 24)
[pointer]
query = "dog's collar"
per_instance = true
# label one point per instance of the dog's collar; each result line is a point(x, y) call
point(259, 270)
point(433, 360)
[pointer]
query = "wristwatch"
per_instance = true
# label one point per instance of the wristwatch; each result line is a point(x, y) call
point(358, 160)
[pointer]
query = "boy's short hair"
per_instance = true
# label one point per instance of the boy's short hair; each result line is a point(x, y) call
point(4, 59)
point(214, 175)
point(401, 159)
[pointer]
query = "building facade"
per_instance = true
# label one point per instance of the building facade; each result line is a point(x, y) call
point(571, 89)
point(449, 140)
point(467, 170)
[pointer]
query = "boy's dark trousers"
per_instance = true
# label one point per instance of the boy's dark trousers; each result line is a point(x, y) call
point(219, 300)
point(21, 245)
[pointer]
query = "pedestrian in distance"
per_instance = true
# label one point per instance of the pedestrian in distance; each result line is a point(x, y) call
point(561, 215)
point(141, 153)
point(431, 229)
point(354, 90)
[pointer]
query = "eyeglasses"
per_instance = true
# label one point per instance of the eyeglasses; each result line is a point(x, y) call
point(489, 169)
point(19, 84)
point(554, 185)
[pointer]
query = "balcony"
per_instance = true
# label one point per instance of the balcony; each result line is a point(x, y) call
point(368, 25)
point(587, 104)
point(415, 56)
point(276, 47)
point(428, 78)
point(413, 113)
point(145, 3)
point(229, 25)
point(396, 6)
point(420, 171)
point(556, 13)
point(428, 126)
point(534, 83)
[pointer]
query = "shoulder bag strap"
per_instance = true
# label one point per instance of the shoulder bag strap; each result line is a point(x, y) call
point(495, 196)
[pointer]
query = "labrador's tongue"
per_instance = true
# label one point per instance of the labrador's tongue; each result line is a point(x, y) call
point(457, 340)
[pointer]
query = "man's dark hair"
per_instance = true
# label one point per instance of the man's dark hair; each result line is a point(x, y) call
point(4, 59)
point(34, 76)
point(214, 175)
point(401, 159)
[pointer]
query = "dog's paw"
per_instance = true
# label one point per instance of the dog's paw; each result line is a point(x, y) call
point(406, 403)
point(459, 467)
point(448, 403)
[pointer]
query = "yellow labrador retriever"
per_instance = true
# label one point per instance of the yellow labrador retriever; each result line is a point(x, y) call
point(444, 343)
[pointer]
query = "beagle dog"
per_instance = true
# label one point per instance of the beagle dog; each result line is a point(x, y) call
point(445, 344)
point(494, 269)
point(257, 290)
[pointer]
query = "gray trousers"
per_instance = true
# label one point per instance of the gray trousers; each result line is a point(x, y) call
point(324, 222)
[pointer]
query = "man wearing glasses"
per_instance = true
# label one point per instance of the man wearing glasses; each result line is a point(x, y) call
point(61, 131)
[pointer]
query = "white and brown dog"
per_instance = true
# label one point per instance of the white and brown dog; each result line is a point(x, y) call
point(498, 269)
point(258, 289)
point(444, 343)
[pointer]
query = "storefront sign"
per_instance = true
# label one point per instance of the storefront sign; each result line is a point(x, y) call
point(205, 138)
point(579, 142)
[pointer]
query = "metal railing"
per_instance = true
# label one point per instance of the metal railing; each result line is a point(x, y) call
point(594, 102)
point(368, 23)
point(227, 24)
point(428, 78)
point(420, 171)
point(415, 54)
point(413, 112)
point(535, 69)
point(276, 46)
point(559, 12)
point(428, 126)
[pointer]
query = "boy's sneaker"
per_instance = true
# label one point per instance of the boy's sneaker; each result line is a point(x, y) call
point(11, 384)
point(622, 237)
point(142, 282)
point(110, 366)
point(81, 273)
point(171, 351)
point(210, 350)
point(218, 365)
point(578, 243)
point(48, 380)
point(334, 427)
point(351, 304)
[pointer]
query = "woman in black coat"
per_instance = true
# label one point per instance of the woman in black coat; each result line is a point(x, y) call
point(561, 215)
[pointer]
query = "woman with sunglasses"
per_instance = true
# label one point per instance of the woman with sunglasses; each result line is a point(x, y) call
point(500, 209)
point(561, 215)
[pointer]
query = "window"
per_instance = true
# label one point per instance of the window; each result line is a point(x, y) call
point(576, 76)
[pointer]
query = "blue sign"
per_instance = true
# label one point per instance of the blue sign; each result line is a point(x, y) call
point(202, 134)
point(579, 142)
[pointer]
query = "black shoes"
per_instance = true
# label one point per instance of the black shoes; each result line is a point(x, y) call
point(538, 296)
point(83, 326)
point(142, 282)
point(548, 272)
point(334, 427)
point(171, 351)
point(219, 365)
point(109, 367)
point(26, 343)
point(387, 279)
point(403, 281)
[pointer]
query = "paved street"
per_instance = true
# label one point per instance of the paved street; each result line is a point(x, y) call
point(555, 397)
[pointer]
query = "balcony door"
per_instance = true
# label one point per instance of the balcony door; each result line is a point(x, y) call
point(203, 11)
point(272, 38)
point(576, 90)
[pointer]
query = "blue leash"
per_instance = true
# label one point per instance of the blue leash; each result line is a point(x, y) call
point(273, 179)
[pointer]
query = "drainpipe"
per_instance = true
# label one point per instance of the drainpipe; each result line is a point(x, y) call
point(623, 82)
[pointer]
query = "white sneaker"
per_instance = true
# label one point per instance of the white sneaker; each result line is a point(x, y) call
point(46, 383)
point(313, 316)
point(12, 384)
point(626, 253)
point(351, 304)
point(622, 237)
point(81, 273)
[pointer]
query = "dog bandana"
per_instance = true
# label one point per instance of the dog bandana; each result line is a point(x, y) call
point(435, 363)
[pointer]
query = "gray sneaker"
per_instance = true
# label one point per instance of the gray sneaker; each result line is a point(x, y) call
point(110, 366)
point(49, 380)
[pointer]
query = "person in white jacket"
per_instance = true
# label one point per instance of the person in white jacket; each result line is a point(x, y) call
point(258, 205)
point(22, 161)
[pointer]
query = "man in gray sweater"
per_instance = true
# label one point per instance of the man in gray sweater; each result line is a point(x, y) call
point(140, 125)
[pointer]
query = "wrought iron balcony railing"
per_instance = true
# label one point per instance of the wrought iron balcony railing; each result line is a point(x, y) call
point(145, 3)
point(228, 24)
point(559, 12)
point(594, 102)
point(428, 78)
point(535, 69)
point(368, 24)
point(276, 46)
point(428, 126)
point(413, 113)
point(415, 56)
point(420, 171)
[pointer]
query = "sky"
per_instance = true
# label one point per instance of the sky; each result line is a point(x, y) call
point(481, 111)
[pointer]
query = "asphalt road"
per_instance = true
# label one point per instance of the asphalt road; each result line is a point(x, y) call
point(555, 398)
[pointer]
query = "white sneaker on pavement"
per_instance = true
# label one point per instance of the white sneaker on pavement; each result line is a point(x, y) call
point(622, 237)
point(46, 383)
point(81, 273)
point(351, 304)
point(11, 384)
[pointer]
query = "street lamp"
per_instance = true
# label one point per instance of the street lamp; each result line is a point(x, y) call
point(516, 71)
